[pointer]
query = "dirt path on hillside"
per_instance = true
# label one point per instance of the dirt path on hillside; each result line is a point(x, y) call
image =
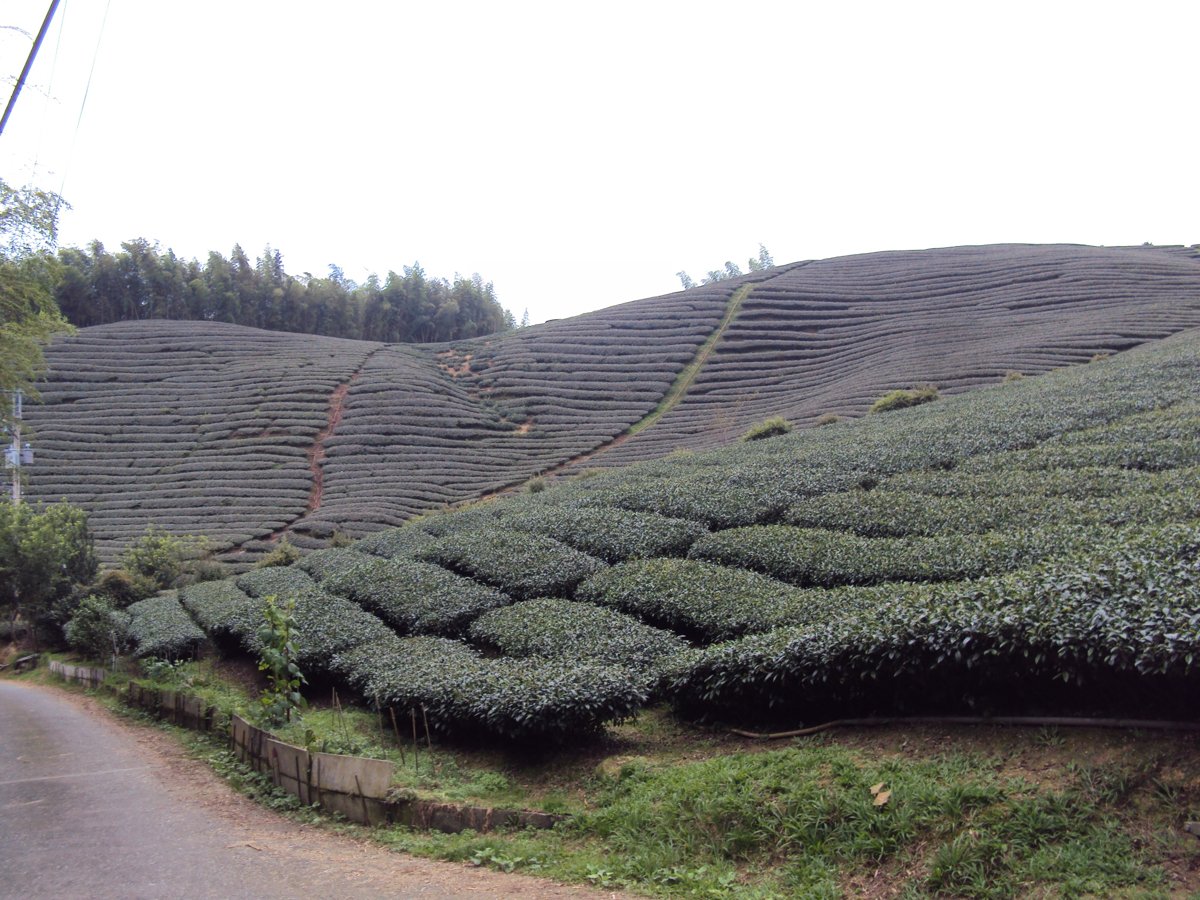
point(97, 807)
point(316, 453)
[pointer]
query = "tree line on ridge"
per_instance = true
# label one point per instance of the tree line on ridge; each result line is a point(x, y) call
point(96, 287)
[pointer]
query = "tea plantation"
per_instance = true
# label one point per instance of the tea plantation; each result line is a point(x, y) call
point(245, 436)
point(1028, 547)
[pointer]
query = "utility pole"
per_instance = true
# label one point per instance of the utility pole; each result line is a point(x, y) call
point(18, 454)
point(37, 43)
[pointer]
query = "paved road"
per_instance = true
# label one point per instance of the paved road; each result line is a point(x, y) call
point(92, 807)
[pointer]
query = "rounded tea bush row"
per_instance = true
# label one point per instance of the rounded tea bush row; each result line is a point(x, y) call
point(1117, 629)
point(161, 627)
point(564, 629)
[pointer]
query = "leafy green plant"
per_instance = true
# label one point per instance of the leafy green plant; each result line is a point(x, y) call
point(768, 428)
point(281, 698)
point(97, 631)
point(159, 560)
point(284, 554)
point(45, 551)
point(902, 399)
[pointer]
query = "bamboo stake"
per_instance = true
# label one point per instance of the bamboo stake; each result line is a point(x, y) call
point(396, 728)
point(416, 746)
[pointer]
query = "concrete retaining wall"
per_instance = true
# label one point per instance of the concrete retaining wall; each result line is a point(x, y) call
point(81, 674)
point(356, 787)
point(174, 706)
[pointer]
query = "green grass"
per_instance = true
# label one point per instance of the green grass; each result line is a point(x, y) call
point(688, 374)
point(803, 821)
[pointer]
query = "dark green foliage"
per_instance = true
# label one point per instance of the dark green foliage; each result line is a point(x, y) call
point(118, 586)
point(520, 564)
point(414, 672)
point(708, 498)
point(611, 534)
point(281, 698)
point(1100, 626)
point(276, 580)
point(812, 556)
point(98, 287)
point(884, 512)
point(284, 554)
point(45, 551)
point(569, 630)
point(97, 630)
point(462, 693)
point(701, 600)
point(553, 699)
point(902, 399)
point(325, 564)
point(222, 609)
point(1039, 586)
point(158, 560)
point(395, 542)
point(415, 597)
point(161, 627)
point(1150, 456)
point(325, 624)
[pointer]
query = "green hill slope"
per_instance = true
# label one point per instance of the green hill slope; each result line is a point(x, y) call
point(1030, 546)
point(245, 436)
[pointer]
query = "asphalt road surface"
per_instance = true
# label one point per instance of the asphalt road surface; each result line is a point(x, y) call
point(94, 807)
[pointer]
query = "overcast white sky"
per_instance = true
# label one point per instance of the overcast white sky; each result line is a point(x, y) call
point(579, 155)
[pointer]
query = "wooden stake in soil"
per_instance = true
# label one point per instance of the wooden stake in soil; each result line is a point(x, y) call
point(416, 746)
point(399, 742)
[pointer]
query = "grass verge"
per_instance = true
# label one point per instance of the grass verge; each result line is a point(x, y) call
point(665, 809)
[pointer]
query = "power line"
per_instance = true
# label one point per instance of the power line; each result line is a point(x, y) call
point(83, 103)
point(37, 43)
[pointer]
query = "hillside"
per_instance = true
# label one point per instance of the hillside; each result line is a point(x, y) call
point(244, 435)
point(1029, 547)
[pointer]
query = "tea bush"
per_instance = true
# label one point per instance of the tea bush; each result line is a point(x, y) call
point(516, 699)
point(160, 626)
point(395, 542)
point(324, 564)
point(222, 609)
point(613, 535)
point(521, 564)
point(812, 556)
point(698, 599)
point(568, 630)
point(415, 597)
point(1091, 631)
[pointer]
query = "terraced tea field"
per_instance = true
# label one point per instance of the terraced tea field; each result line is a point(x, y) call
point(244, 435)
point(1027, 547)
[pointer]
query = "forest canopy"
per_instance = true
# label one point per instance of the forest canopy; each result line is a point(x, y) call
point(142, 282)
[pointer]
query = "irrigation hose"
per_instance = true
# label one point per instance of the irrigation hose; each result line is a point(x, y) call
point(1042, 721)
